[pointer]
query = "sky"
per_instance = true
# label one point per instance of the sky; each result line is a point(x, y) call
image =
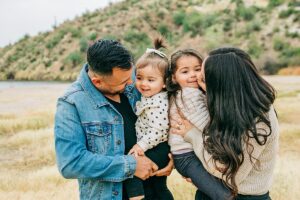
point(20, 17)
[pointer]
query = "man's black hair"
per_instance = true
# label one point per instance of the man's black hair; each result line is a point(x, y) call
point(104, 55)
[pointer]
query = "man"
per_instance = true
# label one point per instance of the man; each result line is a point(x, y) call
point(94, 125)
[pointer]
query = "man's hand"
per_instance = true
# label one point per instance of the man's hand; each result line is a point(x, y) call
point(136, 150)
point(166, 171)
point(144, 167)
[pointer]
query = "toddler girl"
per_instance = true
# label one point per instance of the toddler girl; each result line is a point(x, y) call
point(186, 100)
point(152, 124)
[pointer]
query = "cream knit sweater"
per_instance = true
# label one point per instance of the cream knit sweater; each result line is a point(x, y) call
point(187, 100)
point(250, 180)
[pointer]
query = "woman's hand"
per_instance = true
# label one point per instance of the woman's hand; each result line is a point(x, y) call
point(166, 171)
point(180, 126)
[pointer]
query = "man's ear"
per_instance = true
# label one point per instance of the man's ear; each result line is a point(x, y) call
point(97, 81)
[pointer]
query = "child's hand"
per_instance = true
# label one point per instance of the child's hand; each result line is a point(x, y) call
point(136, 150)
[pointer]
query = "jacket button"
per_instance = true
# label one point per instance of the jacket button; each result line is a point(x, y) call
point(119, 142)
point(115, 193)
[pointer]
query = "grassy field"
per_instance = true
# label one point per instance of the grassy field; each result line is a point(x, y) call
point(27, 159)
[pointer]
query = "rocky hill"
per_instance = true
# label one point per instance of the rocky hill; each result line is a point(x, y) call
point(267, 29)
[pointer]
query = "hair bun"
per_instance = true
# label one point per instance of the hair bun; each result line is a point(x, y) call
point(159, 43)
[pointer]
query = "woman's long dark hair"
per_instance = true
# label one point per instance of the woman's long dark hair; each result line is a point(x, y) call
point(238, 98)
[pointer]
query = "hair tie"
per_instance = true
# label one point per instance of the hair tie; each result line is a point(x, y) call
point(161, 54)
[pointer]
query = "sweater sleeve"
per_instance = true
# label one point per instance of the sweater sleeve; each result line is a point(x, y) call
point(193, 107)
point(158, 126)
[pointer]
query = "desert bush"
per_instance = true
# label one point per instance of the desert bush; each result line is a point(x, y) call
point(278, 44)
point(75, 58)
point(254, 49)
point(178, 18)
point(193, 23)
point(55, 40)
point(245, 13)
point(136, 37)
point(272, 67)
point(83, 43)
point(253, 26)
point(227, 26)
point(275, 3)
point(92, 36)
point(286, 13)
point(163, 29)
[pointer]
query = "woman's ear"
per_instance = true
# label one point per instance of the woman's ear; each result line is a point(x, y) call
point(164, 86)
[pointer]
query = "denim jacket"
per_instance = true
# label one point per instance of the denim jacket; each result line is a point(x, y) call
point(89, 140)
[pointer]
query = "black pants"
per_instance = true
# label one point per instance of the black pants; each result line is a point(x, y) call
point(189, 165)
point(154, 187)
point(201, 196)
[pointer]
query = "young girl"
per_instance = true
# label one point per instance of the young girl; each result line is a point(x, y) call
point(152, 124)
point(185, 97)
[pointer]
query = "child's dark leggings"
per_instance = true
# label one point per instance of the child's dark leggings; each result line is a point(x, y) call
point(188, 165)
point(154, 188)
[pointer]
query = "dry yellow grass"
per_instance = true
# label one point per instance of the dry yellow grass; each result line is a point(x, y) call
point(27, 159)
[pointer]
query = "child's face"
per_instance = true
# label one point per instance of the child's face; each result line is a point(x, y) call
point(149, 81)
point(188, 68)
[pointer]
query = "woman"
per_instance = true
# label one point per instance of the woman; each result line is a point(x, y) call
point(240, 141)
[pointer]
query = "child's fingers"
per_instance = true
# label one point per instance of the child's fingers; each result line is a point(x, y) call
point(131, 151)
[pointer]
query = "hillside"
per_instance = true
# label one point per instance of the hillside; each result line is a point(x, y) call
point(268, 30)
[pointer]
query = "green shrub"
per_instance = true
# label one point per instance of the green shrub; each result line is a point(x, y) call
point(163, 29)
point(272, 67)
point(245, 13)
point(291, 52)
point(253, 26)
point(286, 13)
point(254, 49)
point(275, 3)
point(92, 36)
point(278, 44)
point(55, 39)
point(178, 18)
point(83, 43)
point(75, 58)
point(193, 23)
point(227, 26)
point(136, 37)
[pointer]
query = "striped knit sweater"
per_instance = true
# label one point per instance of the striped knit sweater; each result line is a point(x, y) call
point(250, 180)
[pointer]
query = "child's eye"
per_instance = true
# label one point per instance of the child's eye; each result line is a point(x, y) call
point(198, 69)
point(138, 78)
point(151, 80)
point(184, 72)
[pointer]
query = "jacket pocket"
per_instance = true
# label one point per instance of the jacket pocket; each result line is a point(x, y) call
point(99, 136)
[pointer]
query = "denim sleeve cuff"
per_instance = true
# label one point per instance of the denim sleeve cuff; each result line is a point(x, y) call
point(130, 166)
